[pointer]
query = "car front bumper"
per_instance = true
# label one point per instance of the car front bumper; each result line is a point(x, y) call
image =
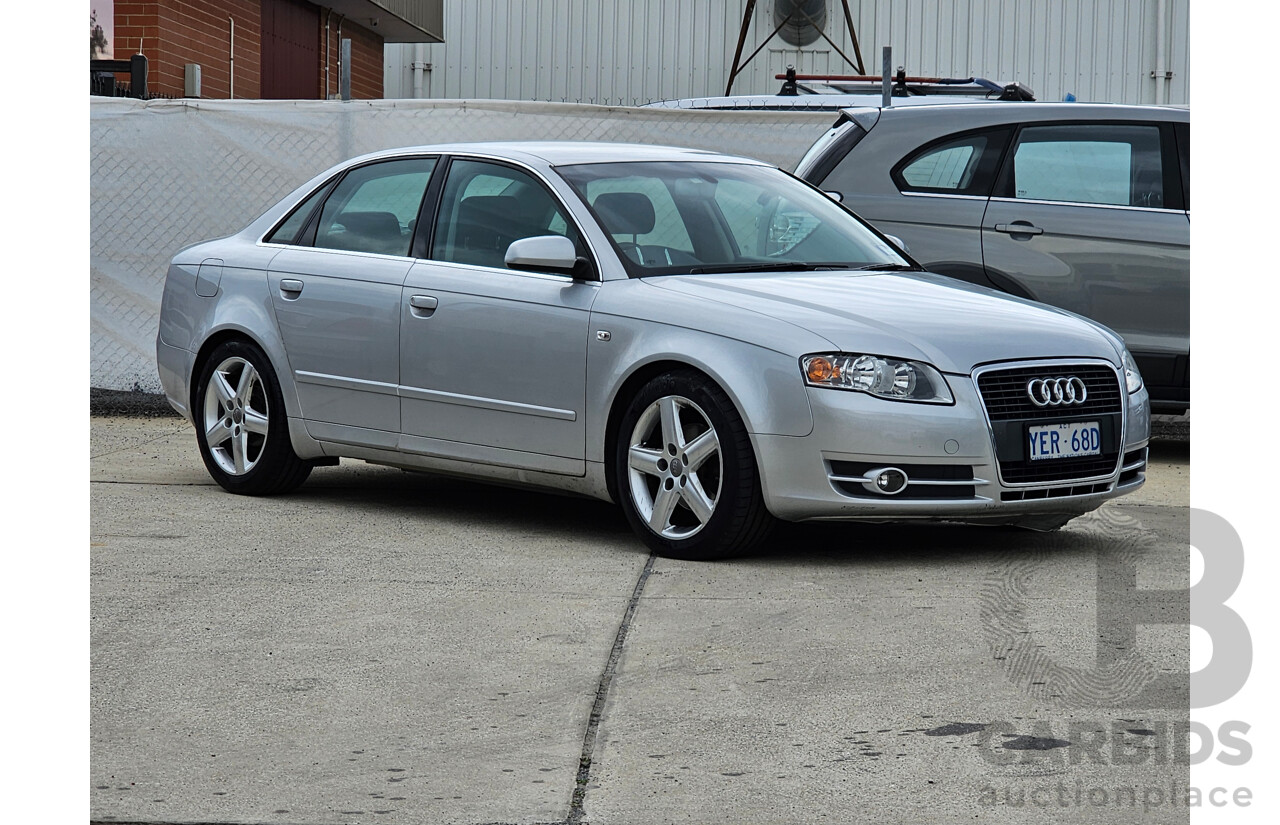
point(947, 451)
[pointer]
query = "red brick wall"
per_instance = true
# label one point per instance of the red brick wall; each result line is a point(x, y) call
point(366, 58)
point(173, 33)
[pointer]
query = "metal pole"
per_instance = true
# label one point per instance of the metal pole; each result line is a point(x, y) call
point(419, 57)
point(231, 63)
point(742, 39)
point(1160, 64)
point(344, 78)
point(848, 19)
point(886, 91)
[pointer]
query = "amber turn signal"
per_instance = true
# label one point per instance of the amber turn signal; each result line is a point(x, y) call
point(820, 370)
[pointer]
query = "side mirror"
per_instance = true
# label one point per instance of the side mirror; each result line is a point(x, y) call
point(545, 253)
point(838, 197)
point(896, 241)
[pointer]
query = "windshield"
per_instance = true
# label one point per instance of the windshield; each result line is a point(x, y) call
point(671, 218)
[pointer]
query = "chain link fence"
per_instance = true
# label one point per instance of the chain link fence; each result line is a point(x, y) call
point(165, 174)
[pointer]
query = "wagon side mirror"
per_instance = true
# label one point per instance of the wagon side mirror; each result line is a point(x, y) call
point(898, 242)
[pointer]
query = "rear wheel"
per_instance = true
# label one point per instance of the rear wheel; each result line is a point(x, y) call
point(241, 425)
point(685, 471)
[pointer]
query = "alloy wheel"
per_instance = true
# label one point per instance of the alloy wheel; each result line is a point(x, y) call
point(674, 467)
point(235, 416)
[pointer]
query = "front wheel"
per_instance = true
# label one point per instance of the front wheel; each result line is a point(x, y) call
point(241, 425)
point(685, 471)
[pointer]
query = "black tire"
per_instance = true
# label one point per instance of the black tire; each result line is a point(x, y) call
point(247, 456)
point(679, 525)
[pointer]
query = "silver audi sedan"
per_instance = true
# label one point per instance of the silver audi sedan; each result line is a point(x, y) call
point(703, 339)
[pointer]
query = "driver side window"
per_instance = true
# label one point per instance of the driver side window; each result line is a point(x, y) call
point(486, 206)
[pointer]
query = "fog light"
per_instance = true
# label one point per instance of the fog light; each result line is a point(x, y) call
point(890, 481)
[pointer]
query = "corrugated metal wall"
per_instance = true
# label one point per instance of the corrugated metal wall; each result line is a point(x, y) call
point(630, 52)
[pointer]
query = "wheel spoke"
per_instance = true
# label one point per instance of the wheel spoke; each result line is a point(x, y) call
point(671, 431)
point(644, 459)
point(217, 434)
point(663, 505)
point(701, 448)
point(696, 498)
point(240, 451)
point(255, 422)
point(222, 388)
point(244, 390)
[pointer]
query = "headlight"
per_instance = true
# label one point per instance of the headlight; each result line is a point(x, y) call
point(1132, 378)
point(882, 377)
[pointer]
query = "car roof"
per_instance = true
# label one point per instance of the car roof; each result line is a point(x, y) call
point(1022, 111)
point(808, 102)
point(563, 153)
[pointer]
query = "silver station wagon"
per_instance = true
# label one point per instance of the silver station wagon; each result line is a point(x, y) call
point(703, 339)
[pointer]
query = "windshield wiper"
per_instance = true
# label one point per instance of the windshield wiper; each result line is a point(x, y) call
point(780, 266)
point(889, 268)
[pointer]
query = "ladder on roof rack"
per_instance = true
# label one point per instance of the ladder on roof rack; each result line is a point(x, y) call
point(904, 85)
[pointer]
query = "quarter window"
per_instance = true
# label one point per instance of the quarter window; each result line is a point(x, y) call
point(1118, 165)
point(375, 208)
point(287, 232)
point(950, 167)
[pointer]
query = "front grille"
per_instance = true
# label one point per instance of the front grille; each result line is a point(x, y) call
point(1054, 492)
point(1004, 392)
point(1011, 412)
point(1057, 469)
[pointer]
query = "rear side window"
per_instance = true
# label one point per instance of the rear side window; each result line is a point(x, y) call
point(1114, 165)
point(375, 208)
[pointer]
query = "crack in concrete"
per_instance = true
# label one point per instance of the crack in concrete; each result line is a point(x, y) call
point(576, 807)
point(133, 446)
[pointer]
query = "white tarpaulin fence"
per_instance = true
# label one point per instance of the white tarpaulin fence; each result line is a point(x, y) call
point(164, 174)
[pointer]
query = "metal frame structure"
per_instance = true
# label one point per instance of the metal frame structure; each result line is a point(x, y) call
point(739, 64)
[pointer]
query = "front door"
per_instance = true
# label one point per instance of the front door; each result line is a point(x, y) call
point(1089, 217)
point(493, 360)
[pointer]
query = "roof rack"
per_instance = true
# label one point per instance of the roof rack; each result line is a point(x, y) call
point(902, 85)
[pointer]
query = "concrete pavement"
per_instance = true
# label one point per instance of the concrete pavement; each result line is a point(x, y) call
point(392, 647)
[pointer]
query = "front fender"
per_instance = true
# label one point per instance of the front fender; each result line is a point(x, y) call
point(764, 385)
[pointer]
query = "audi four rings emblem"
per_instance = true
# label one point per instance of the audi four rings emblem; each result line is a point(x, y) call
point(1056, 392)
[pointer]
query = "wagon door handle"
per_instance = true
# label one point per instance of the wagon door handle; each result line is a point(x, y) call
point(290, 288)
point(1019, 228)
point(421, 306)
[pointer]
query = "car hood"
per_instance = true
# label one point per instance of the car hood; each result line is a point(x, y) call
point(912, 315)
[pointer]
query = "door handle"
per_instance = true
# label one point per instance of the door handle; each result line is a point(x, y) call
point(1019, 228)
point(290, 288)
point(421, 306)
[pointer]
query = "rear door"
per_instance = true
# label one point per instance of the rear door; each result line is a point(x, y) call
point(936, 200)
point(1091, 217)
point(336, 293)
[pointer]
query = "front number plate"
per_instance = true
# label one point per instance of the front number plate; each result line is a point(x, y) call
point(1079, 438)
